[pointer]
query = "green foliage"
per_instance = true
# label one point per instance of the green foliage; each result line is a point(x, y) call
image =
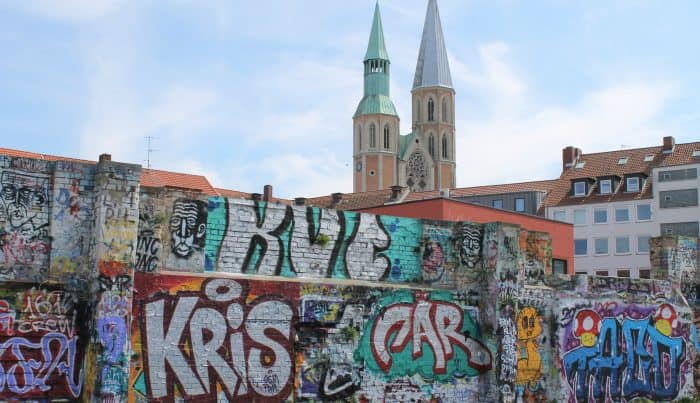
point(322, 240)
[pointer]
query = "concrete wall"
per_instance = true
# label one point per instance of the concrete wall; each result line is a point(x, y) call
point(115, 293)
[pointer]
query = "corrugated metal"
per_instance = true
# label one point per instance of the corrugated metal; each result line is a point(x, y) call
point(432, 69)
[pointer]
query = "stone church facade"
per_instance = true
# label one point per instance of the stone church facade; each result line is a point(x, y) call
point(425, 158)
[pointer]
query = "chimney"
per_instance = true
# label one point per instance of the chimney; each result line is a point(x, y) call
point(256, 196)
point(300, 201)
point(336, 197)
point(570, 156)
point(669, 144)
point(396, 192)
point(105, 157)
point(267, 193)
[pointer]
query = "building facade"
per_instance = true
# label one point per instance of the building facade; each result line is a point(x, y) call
point(618, 200)
point(424, 159)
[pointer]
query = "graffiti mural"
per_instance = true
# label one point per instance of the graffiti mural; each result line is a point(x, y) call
point(41, 344)
point(187, 229)
point(641, 351)
point(470, 244)
point(423, 333)
point(24, 218)
point(239, 337)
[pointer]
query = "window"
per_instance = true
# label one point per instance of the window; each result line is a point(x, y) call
point(678, 198)
point(622, 161)
point(444, 110)
point(359, 138)
point(690, 228)
point(560, 215)
point(445, 153)
point(696, 153)
point(372, 136)
point(601, 246)
point(603, 273)
point(418, 110)
point(622, 245)
point(431, 145)
point(498, 203)
point(643, 212)
point(622, 214)
point(386, 137)
point(580, 247)
point(579, 217)
point(519, 204)
point(623, 273)
point(678, 175)
point(558, 266)
point(605, 186)
point(633, 184)
point(580, 165)
point(600, 216)
point(649, 158)
point(580, 188)
point(431, 110)
point(644, 273)
point(643, 244)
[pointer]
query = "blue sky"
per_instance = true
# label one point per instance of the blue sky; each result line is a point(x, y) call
point(249, 93)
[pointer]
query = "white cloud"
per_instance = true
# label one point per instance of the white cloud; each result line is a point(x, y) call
point(523, 140)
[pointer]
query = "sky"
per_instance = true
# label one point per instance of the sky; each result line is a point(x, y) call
point(263, 92)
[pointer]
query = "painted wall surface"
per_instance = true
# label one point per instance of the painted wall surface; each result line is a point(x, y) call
point(562, 234)
point(111, 293)
point(237, 339)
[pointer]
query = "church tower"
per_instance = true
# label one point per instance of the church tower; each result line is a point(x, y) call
point(433, 103)
point(375, 123)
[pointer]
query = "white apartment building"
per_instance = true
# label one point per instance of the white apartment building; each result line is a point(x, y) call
point(617, 200)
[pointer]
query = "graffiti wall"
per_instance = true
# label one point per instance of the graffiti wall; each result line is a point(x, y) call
point(42, 343)
point(231, 339)
point(110, 292)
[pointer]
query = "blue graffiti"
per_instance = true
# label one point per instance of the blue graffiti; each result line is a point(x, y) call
point(627, 361)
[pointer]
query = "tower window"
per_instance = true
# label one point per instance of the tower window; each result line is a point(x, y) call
point(431, 110)
point(359, 138)
point(417, 110)
point(372, 136)
point(444, 110)
point(431, 145)
point(445, 153)
point(386, 137)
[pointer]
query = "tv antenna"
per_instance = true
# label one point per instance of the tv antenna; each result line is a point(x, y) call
point(149, 150)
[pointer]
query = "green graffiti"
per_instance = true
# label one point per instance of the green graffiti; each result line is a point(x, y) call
point(424, 333)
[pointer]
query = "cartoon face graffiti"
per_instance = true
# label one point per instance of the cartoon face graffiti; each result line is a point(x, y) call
point(188, 225)
point(666, 319)
point(587, 327)
point(470, 248)
point(23, 198)
point(529, 326)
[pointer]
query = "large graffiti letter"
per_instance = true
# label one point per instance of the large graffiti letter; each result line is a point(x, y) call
point(363, 258)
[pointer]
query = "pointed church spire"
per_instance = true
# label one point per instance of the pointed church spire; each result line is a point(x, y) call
point(432, 69)
point(376, 48)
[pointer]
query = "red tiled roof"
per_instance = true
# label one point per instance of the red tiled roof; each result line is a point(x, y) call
point(235, 194)
point(533, 186)
point(596, 165)
point(158, 178)
point(353, 201)
point(26, 154)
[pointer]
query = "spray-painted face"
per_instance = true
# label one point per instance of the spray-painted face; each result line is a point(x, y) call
point(528, 323)
point(23, 197)
point(187, 226)
point(470, 249)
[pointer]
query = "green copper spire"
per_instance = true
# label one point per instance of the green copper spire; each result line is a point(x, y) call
point(376, 48)
point(376, 98)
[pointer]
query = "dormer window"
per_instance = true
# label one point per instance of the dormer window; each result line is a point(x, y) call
point(580, 165)
point(696, 153)
point(606, 186)
point(632, 183)
point(649, 158)
point(622, 161)
point(579, 188)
